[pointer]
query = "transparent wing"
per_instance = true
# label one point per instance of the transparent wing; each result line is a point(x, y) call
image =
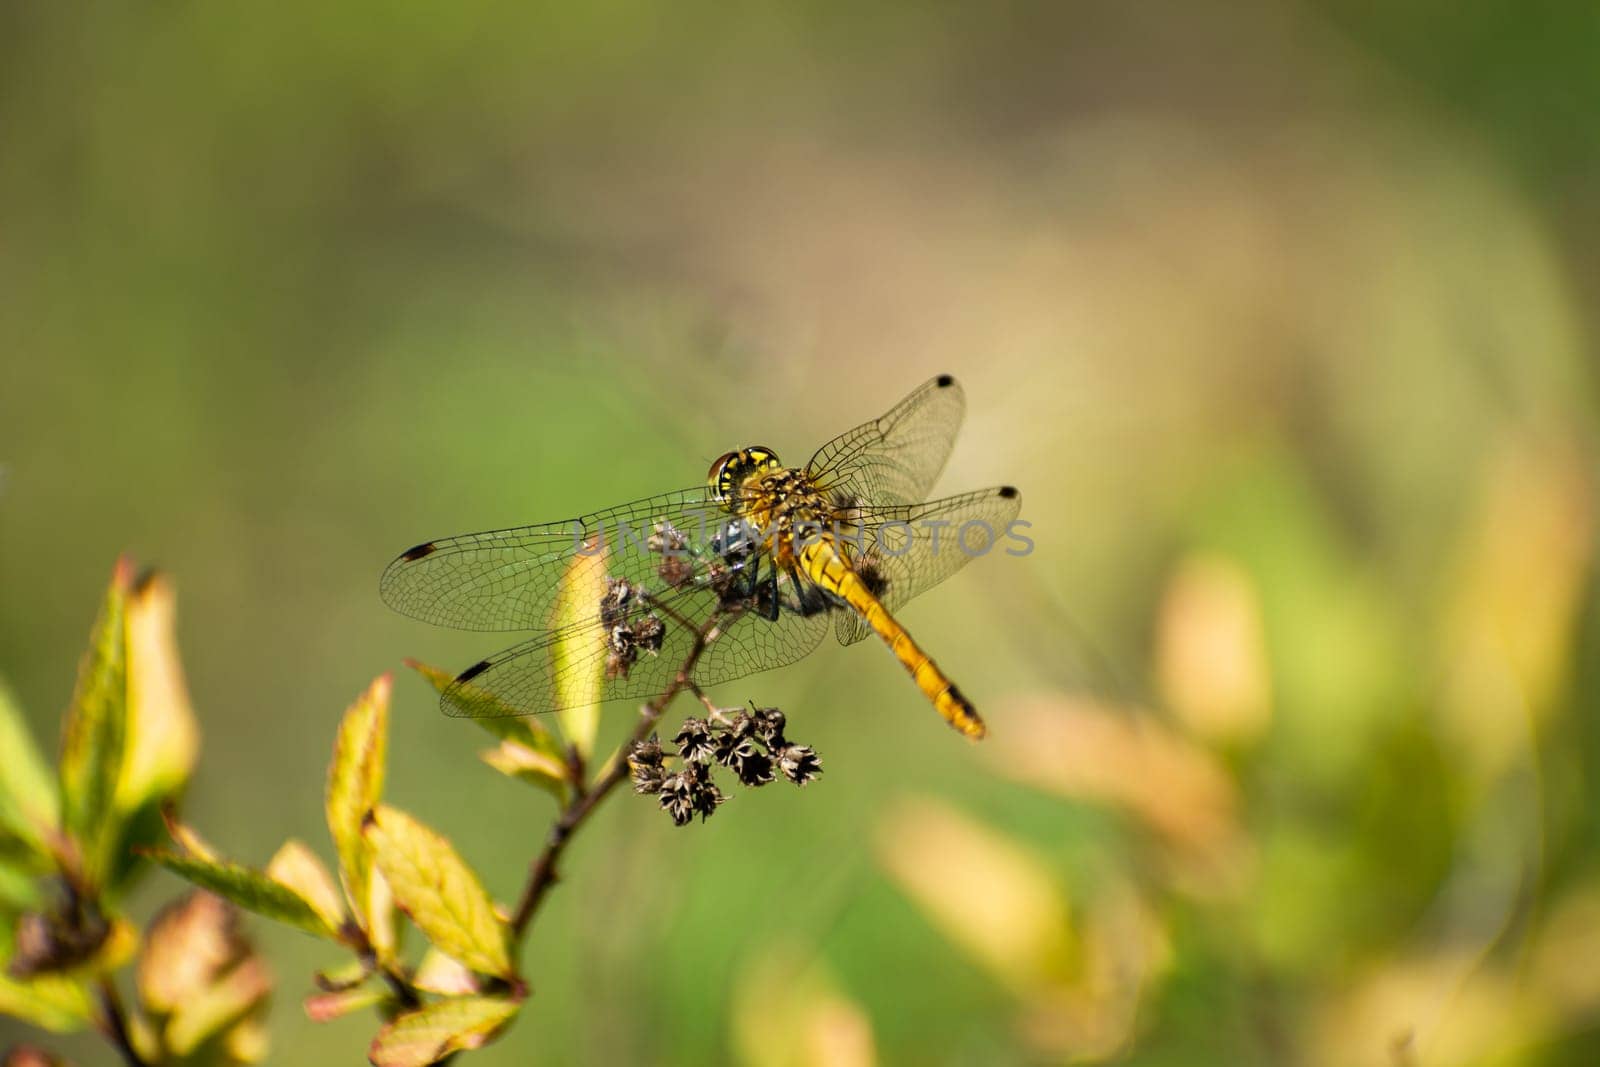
point(904, 550)
point(509, 579)
point(561, 668)
point(894, 459)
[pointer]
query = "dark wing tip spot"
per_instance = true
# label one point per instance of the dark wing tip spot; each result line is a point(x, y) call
point(473, 671)
point(411, 555)
point(944, 381)
point(1009, 492)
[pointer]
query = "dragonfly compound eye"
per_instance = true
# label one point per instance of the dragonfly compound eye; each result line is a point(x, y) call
point(731, 468)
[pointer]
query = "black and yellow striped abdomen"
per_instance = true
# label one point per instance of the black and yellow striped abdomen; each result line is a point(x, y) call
point(821, 563)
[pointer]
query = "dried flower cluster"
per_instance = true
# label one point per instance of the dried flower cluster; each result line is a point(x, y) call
point(626, 639)
point(750, 744)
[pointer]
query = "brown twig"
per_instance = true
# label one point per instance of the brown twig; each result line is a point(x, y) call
point(542, 874)
point(114, 1024)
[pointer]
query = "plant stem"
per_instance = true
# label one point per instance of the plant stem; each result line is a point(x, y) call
point(114, 1024)
point(542, 874)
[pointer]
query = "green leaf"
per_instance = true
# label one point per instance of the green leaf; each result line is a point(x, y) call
point(29, 803)
point(298, 868)
point(442, 895)
point(93, 735)
point(434, 1031)
point(162, 736)
point(508, 724)
point(355, 785)
point(49, 1001)
point(251, 890)
point(579, 673)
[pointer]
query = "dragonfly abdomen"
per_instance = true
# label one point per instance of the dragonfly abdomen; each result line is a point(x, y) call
point(823, 564)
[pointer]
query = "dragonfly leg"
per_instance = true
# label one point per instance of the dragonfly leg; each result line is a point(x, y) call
point(764, 593)
point(809, 598)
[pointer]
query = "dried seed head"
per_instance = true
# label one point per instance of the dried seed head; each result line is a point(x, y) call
point(648, 633)
point(798, 763)
point(676, 566)
point(768, 724)
point(614, 604)
point(694, 740)
point(741, 755)
point(688, 793)
point(676, 800)
point(646, 764)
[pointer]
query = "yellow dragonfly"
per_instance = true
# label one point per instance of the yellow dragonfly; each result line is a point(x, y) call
point(771, 556)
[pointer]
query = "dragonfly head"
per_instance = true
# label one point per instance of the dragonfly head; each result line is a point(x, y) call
point(732, 468)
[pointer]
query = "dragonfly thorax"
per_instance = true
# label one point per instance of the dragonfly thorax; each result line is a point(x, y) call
point(783, 503)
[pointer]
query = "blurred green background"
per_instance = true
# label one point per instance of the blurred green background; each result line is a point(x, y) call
point(1281, 314)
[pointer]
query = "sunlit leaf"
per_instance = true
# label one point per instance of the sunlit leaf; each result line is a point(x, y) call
point(49, 1001)
point(383, 919)
point(189, 942)
point(440, 893)
point(508, 725)
point(186, 836)
point(248, 1041)
point(438, 973)
point(343, 976)
point(434, 1031)
point(355, 784)
point(93, 734)
point(1517, 593)
point(162, 736)
point(988, 894)
point(788, 991)
point(296, 866)
point(218, 1006)
point(250, 889)
point(1211, 655)
point(578, 672)
point(325, 1007)
point(1125, 758)
point(536, 768)
point(29, 802)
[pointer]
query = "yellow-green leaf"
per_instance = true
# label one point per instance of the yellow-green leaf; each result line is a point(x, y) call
point(248, 1040)
point(162, 736)
point(519, 761)
point(297, 867)
point(218, 1006)
point(186, 837)
point(434, 1031)
point(508, 725)
point(441, 894)
point(578, 672)
point(250, 889)
point(355, 785)
point(49, 1001)
point(383, 920)
point(29, 803)
point(93, 735)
